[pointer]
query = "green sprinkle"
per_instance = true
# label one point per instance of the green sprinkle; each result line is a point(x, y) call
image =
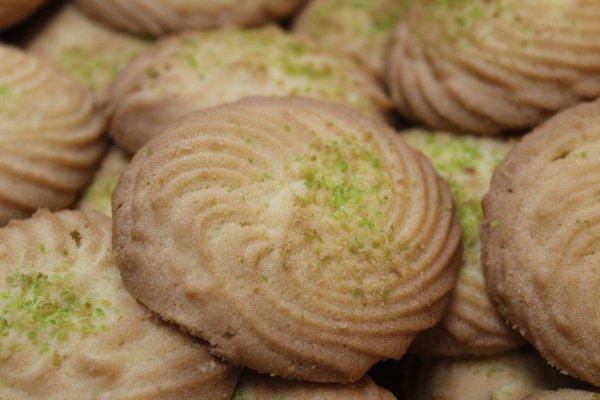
point(42, 248)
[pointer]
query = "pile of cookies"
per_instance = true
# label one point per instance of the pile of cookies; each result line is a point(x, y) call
point(266, 199)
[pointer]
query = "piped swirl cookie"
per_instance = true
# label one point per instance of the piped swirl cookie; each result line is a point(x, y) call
point(253, 386)
point(157, 17)
point(14, 11)
point(471, 324)
point(50, 136)
point(492, 66)
point(90, 52)
point(70, 330)
point(361, 28)
point(541, 242)
point(299, 237)
point(564, 394)
point(191, 71)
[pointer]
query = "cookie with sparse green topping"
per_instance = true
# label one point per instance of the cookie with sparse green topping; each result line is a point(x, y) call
point(158, 17)
point(90, 52)
point(253, 386)
point(471, 324)
point(50, 135)
point(564, 394)
point(191, 71)
point(70, 330)
point(14, 11)
point(492, 66)
point(299, 237)
point(361, 28)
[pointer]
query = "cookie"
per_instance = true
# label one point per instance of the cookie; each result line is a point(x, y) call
point(541, 240)
point(90, 52)
point(51, 136)
point(70, 329)
point(253, 386)
point(491, 66)
point(360, 28)
point(197, 70)
point(157, 17)
point(509, 376)
point(564, 394)
point(97, 196)
point(299, 237)
point(471, 324)
point(14, 11)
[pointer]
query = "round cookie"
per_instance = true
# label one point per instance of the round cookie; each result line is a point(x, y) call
point(253, 386)
point(319, 242)
point(197, 70)
point(70, 329)
point(564, 394)
point(541, 240)
point(492, 66)
point(157, 17)
point(509, 376)
point(14, 11)
point(51, 136)
point(86, 50)
point(361, 28)
point(471, 324)
point(98, 195)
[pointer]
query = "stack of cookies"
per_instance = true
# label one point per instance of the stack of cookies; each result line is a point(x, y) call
point(300, 199)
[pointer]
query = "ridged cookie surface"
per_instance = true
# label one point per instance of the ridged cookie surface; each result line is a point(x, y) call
point(541, 247)
point(471, 324)
point(361, 28)
point(197, 70)
point(157, 17)
point(299, 237)
point(90, 52)
point(97, 196)
point(564, 394)
point(492, 66)
point(50, 136)
point(70, 330)
point(14, 11)
point(253, 386)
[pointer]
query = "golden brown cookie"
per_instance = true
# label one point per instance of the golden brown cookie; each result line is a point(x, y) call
point(253, 386)
point(564, 394)
point(541, 240)
point(14, 11)
point(50, 136)
point(509, 376)
point(97, 196)
point(90, 52)
point(361, 28)
point(471, 324)
point(299, 237)
point(492, 66)
point(197, 70)
point(70, 330)
point(157, 17)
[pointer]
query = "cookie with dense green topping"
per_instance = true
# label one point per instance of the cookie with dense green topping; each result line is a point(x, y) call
point(253, 386)
point(361, 28)
point(157, 17)
point(70, 330)
point(564, 394)
point(14, 11)
point(299, 237)
point(90, 52)
point(471, 324)
point(50, 135)
point(196, 70)
point(492, 66)
point(97, 196)
point(541, 240)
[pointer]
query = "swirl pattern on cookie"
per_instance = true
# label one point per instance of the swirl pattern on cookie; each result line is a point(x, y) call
point(299, 237)
point(50, 136)
point(197, 70)
point(564, 394)
point(90, 52)
point(361, 28)
point(253, 386)
point(70, 329)
point(491, 66)
point(14, 11)
point(157, 17)
point(471, 324)
point(541, 243)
